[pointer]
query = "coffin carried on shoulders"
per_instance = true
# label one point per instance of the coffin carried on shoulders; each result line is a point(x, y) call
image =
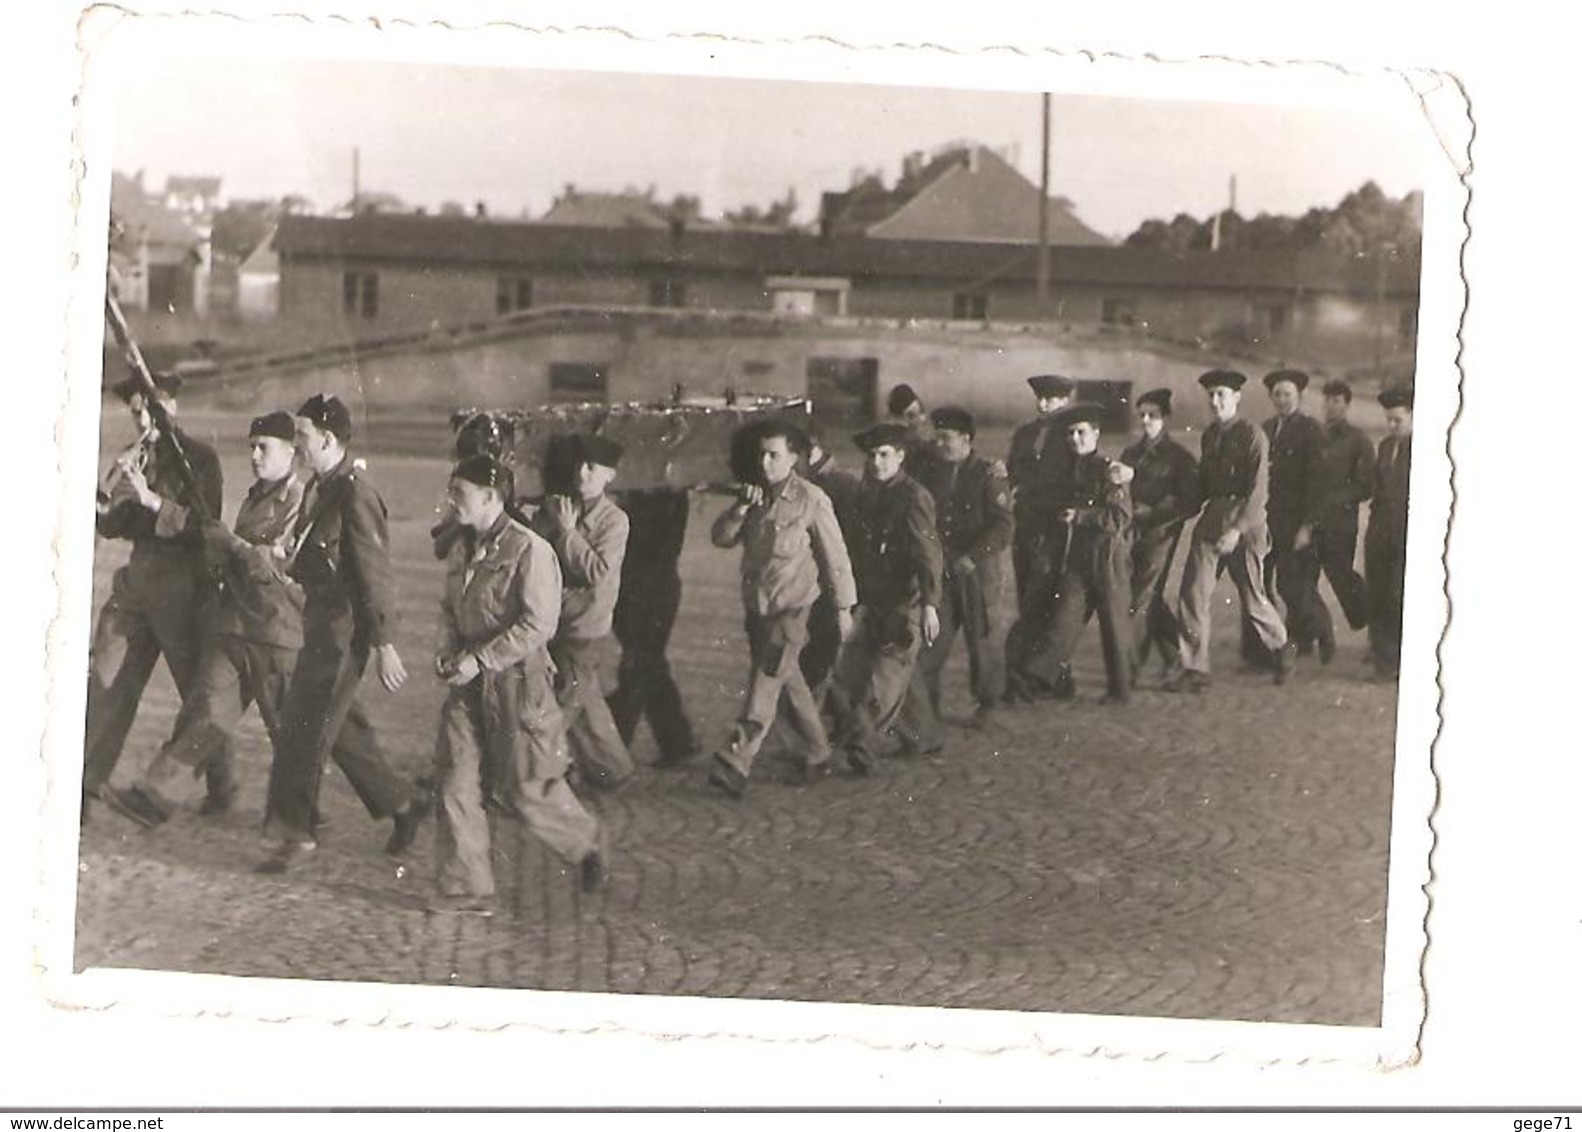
point(689, 443)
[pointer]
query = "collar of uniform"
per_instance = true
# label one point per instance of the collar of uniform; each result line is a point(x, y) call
point(826, 464)
point(263, 489)
point(339, 471)
point(587, 508)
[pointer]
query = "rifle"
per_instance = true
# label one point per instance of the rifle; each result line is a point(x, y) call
point(156, 410)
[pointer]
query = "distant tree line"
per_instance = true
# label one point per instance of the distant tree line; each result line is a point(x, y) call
point(1366, 221)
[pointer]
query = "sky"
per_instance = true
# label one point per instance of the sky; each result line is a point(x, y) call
point(513, 138)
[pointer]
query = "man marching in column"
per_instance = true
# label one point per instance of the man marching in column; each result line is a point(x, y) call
point(1164, 497)
point(972, 509)
point(791, 548)
point(250, 652)
point(341, 557)
point(161, 600)
point(1233, 476)
point(502, 739)
point(1296, 444)
point(898, 562)
point(1347, 483)
point(1034, 466)
point(1384, 549)
point(589, 534)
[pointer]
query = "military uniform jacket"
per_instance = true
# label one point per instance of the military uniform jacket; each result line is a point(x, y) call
point(502, 604)
point(1346, 474)
point(591, 554)
point(841, 487)
point(157, 539)
point(259, 603)
point(1233, 478)
point(1103, 509)
point(1391, 480)
point(1296, 473)
point(1164, 491)
point(789, 542)
point(342, 555)
point(972, 512)
point(1038, 466)
point(895, 548)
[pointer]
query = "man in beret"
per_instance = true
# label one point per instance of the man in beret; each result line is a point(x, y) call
point(1384, 548)
point(1291, 570)
point(589, 534)
point(904, 407)
point(1093, 573)
point(161, 601)
point(791, 550)
point(249, 653)
point(1233, 529)
point(972, 512)
point(502, 738)
point(340, 554)
point(1036, 467)
point(645, 615)
point(1346, 479)
point(1164, 496)
point(898, 562)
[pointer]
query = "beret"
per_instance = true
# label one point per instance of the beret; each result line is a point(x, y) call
point(1222, 379)
point(1159, 397)
point(485, 471)
point(955, 419)
point(1295, 376)
point(1051, 385)
point(1396, 397)
point(1088, 413)
point(329, 414)
point(277, 424)
point(591, 449)
point(479, 434)
point(901, 398)
point(885, 432)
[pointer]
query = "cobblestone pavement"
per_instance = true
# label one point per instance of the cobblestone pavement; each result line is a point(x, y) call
point(1213, 857)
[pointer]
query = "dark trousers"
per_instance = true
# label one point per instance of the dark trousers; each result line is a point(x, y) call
point(1097, 579)
point(1029, 661)
point(1336, 545)
point(322, 719)
point(1029, 554)
point(1153, 623)
point(967, 609)
point(1384, 561)
point(154, 615)
point(646, 689)
point(1296, 574)
point(877, 677)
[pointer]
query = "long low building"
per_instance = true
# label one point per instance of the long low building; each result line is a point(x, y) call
point(350, 279)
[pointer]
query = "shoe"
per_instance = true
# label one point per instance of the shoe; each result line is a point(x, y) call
point(1284, 663)
point(815, 772)
point(1326, 650)
point(727, 779)
point(1065, 685)
point(218, 803)
point(288, 856)
point(134, 804)
point(1188, 681)
point(407, 823)
point(461, 904)
point(861, 760)
point(594, 869)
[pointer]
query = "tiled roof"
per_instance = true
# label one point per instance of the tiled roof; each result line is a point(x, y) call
point(463, 242)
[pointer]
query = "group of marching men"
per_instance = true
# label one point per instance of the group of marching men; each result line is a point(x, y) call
point(853, 588)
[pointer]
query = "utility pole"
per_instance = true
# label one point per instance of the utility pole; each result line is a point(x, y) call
point(356, 178)
point(1043, 217)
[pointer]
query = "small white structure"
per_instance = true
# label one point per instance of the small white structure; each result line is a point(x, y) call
point(807, 296)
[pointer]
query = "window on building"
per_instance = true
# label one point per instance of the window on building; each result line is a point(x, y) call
point(1408, 323)
point(512, 293)
point(972, 305)
point(1275, 316)
point(1118, 312)
point(667, 293)
point(577, 381)
point(360, 294)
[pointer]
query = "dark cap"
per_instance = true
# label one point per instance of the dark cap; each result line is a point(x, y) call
point(1051, 385)
point(166, 384)
point(1337, 388)
point(478, 434)
point(885, 432)
point(1222, 379)
point(601, 450)
point(1082, 414)
point(954, 419)
point(901, 398)
point(1396, 397)
point(329, 414)
point(1159, 398)
point(1295, 376)
point(486, 471)
point(278, 425)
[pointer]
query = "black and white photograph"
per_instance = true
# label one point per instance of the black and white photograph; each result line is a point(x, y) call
point(703, 532)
